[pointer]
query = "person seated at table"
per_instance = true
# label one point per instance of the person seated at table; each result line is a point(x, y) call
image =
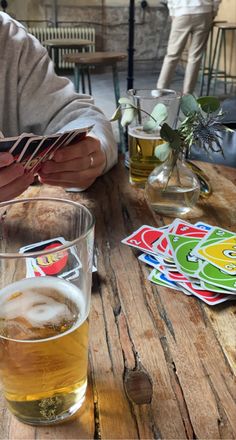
point(33, 99)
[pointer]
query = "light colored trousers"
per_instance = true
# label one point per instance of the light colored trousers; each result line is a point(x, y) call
point(197, 27)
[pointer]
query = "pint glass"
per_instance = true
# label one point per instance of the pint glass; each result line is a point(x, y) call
point(142, 159)
point(45, 288)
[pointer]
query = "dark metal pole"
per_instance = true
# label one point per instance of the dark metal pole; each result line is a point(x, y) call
point(55, 12)
point(131, 44)
point(4, 5)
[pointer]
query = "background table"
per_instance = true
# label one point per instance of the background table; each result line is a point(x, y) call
point(161, 364)
point(55, 44)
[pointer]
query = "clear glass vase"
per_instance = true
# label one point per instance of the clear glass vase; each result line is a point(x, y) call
point(172, 188)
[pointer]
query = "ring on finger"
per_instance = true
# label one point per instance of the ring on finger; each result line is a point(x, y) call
point(91, 160)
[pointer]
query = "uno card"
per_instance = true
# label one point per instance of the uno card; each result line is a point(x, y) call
point(150, 260)
point(64, 263)
point(221, 254)
point(213, 288)
point(213, 236)
point(31, 145)
point(203, 226)
point(32, 162)
point(159, 278)
point(213, 275)
point(6, 144)
point(178, 227)
point(210, 298)
point(182, 251)
point(144, 238)
point(48, 153)
point(181, 227)
point(68, 138)
point(173, 275)
point(162, 244)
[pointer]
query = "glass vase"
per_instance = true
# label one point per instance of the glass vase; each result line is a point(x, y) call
point(172, 189)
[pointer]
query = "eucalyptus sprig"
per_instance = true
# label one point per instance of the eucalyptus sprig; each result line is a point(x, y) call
point(202, 125)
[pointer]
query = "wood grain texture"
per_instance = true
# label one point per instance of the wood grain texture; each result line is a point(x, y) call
point(161, 364)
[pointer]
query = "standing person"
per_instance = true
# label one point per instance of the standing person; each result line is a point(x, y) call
point(33, 99)
point(194, 19)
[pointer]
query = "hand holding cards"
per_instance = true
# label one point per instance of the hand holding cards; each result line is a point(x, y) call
point(198, 259)
point(31, 151)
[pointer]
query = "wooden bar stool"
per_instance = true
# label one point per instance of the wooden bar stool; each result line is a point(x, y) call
point(83, 62)
point(220, 50)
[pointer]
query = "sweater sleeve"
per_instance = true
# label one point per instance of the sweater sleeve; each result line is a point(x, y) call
point(48, 103)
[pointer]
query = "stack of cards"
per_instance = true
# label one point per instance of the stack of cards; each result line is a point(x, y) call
point(31, 150)
point(198, 259)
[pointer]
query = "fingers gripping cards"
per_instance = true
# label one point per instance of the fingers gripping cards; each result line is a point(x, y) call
point(31, 150)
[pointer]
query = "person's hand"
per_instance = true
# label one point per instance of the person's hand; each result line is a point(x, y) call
point(13, 181)
point(76, 165)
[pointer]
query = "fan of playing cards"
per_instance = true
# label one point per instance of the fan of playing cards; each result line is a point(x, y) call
point(198, 259)
point(31, 150)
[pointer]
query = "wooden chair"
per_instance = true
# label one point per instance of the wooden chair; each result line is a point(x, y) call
point(83, 62)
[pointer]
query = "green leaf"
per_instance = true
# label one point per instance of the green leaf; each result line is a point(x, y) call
point(124, 100)
point(209, 104)
point(128, 116)
point(189, 104)
point(116, 115)
point(166, 132)
point(158, 115)
point(162, 151)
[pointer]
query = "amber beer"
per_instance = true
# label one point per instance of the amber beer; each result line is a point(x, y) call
point(142, 159)
point(43, 348)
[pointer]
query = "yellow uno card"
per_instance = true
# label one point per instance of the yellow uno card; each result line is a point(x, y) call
point(221, 254)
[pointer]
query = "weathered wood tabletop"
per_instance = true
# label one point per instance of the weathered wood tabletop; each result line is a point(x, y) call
point(162, 365)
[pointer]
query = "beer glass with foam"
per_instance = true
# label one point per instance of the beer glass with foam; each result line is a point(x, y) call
point(45, 288)
point(142, 159)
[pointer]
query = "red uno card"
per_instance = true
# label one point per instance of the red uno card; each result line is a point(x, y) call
point(144, 238)
point(210, 298)
point(65, 263)
point(181, 227)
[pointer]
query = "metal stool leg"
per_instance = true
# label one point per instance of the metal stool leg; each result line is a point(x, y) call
point(82, 80)
point(225, 75)
point(218, 60)
point(207, 58)
point(211, 69)
point(77, 77)
point(116, 85)
point(89, 80)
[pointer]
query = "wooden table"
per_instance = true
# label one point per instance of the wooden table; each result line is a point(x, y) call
point(161, 364)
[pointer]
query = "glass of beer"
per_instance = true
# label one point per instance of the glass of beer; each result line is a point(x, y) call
point(46, 255)
point(142, 159)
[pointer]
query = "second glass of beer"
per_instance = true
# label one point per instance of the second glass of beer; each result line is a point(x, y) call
point(142, 159)
point(46, 252)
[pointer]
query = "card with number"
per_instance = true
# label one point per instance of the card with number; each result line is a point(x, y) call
point(213, 275)
point(182, 248)
point(144, 238)
point(221, 254)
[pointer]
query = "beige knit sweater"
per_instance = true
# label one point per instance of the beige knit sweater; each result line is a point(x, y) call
point(34, 99)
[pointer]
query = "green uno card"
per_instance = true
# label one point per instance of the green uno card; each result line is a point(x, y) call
point(213, 275)
point(182, 247)
point(214, 288)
